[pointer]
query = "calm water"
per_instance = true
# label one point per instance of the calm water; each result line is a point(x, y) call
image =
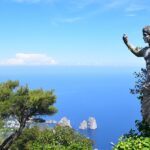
point(82, 92)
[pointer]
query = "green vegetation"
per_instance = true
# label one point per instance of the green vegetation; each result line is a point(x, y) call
point(59, 138)
point(140, 139)
point(23, 103)
point(134, 143)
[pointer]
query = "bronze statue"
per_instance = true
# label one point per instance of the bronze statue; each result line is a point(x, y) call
point(142, 52)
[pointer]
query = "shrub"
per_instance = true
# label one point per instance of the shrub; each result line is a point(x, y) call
point(58, 138)
point(133, 143)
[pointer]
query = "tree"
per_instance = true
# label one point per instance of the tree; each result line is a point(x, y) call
point(143, 91)
point(23, 103)
point(139, 83)
point(57, 138)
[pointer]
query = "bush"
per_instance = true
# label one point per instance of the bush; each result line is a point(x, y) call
point(133, 143)
point(58, 138)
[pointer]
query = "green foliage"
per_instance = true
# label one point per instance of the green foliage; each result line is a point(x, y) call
point(133, 143)
point(59, 138)
point(1, 123)
point(20, 101)
point(140, 81)
point(27, 137)
point(23, 103)
point(5, 132)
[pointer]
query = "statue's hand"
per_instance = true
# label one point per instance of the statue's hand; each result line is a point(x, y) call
point(125, 38)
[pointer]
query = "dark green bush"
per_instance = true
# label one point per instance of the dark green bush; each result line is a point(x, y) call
point(133, 143)
point(59, 138)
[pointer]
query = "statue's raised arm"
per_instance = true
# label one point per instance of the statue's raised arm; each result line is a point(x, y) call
point(135, 50)
point(144, 52)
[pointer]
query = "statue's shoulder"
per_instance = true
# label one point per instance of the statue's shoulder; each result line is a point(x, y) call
point(145, 49)
point(145, 52)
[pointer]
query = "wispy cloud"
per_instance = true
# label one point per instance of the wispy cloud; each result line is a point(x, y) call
point(26, 1)
point(85, 9)
point(113, 4)
point(131, 15)
point(66, 20)
point(33, 1)
point(84, 3)
point(135, 8)
point(131, 8)
point(29, 59)
point(70, 4)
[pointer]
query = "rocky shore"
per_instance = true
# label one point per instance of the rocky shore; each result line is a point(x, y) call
point(12, 122)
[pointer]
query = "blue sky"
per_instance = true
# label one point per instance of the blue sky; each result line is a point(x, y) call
point(71, 32)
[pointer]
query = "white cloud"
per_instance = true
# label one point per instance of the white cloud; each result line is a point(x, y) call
point(30, 59)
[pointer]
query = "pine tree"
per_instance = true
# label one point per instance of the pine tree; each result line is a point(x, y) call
point(23, 103)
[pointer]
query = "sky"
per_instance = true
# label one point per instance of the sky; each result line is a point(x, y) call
point(71, 32)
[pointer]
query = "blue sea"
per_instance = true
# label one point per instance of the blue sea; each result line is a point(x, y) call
point(83, 92)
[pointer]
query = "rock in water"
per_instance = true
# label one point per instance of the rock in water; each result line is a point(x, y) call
point(92, 123)
point(83, 125)
point(64, 122)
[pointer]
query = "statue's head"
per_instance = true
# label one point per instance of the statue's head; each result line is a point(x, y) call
point(146, 34)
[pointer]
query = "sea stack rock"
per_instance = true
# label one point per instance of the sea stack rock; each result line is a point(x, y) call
point(65, 122)
point(92, 123)
point(83, 125)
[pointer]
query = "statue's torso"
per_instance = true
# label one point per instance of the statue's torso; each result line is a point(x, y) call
point(146, 54)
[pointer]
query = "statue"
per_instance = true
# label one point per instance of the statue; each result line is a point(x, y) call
point(142, 52)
